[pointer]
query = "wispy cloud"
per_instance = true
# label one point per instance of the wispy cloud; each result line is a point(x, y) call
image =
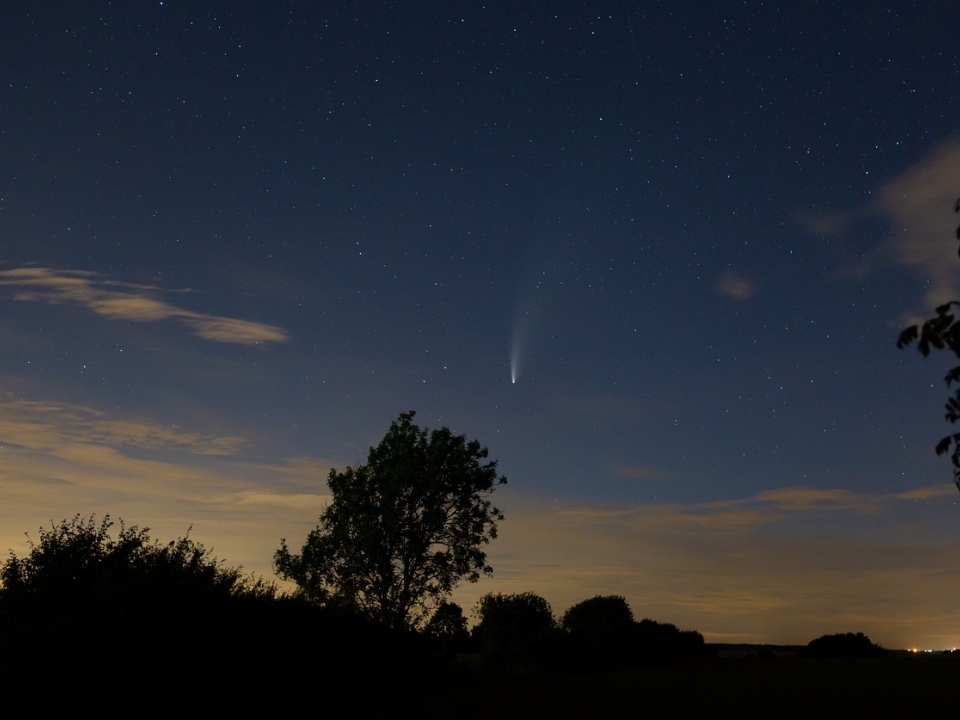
point(59, 459)
point(736, 286)
point(49, 426)
point(926, 493)
point(638, 472)
point(294, 501)
point(135, 303)
point(743, 514)
point(918, 204)
point(829, 223)
point(792, 499)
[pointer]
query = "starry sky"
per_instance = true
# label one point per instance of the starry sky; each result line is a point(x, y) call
point(654, 255)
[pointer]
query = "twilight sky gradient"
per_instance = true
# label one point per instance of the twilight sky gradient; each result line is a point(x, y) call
point(238, 238)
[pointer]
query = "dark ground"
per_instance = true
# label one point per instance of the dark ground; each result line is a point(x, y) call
point(742, 687)
point(289, 686)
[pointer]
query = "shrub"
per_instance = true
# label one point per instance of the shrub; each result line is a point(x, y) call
point(449, 627)
point(598, 615)
point(516, 627)
point(80, 585)
point(657, 640)
point(601, 631)
point(842, 645)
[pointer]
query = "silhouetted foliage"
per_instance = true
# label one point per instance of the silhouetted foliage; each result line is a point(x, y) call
point(656, 640)
point(843, 645)
point(448, 623)
point(599, 614)
point(942, 332)
point(403, 530)
point(601, 630)
point(78, 579)
point(90, 614)
point(514, 627)
point(102, 612)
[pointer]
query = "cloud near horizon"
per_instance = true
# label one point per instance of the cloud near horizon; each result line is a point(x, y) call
point(58, 459)
point(774, 567)
point(39, 425)
point(135, 303)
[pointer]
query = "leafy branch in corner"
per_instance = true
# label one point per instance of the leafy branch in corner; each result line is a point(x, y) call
point(942, 332)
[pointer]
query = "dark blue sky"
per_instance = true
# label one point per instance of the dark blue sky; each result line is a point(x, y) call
point(237, 239)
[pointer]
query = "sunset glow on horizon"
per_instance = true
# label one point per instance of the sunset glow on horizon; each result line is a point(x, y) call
point(237, 242)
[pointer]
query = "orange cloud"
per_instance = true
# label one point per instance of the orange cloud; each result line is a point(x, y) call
point(733, 569)
point(926, 493)
point(48, 426)
point(123, 301)
point(736, 286)
point(806, 498)
point(57, 460)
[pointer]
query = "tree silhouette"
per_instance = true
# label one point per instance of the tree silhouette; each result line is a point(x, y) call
point(602, 630)
point(598, 615)
point(942, 332)
point(402, 530)
point(655, 640)
point(514, 627)
point(449, 626)
point(92, 617)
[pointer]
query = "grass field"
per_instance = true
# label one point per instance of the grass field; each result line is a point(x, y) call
point(746, 687)
point(723, 687)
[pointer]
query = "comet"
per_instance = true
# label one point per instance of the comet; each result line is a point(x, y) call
point(521, 332)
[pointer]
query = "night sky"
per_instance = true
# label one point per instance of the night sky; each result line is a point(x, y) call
point(654, 255)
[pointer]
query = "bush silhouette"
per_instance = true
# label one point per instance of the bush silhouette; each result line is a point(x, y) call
point(603, 633)
point(514, 628)
point(842, 645)
point(115, 616)
point(78, 583)
point(656, 640)
point(105, 612)
point(448, 626)
point(599, 614)
point(602, 630)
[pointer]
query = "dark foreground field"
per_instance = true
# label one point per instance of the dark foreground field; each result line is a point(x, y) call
point(714, 688)
point(748, 687)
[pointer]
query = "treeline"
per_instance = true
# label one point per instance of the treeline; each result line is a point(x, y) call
point(89, 616)
point(93, 612)
point(599, 633)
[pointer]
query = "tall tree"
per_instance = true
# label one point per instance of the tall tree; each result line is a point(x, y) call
point(942, 332)
point(402, 530)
